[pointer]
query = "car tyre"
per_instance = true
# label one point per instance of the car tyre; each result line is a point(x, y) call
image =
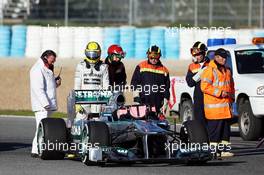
point(250, 127)
point(52, 132)
point(95, 132)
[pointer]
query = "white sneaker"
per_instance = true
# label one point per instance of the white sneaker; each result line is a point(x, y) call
point(227, 154)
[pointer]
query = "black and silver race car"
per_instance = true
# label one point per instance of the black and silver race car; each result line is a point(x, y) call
point(120, 134)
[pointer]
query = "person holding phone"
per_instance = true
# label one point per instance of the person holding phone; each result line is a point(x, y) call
point(43, 86)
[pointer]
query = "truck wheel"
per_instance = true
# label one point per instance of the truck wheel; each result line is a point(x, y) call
point(52, 139)
point(250, 127)
point(94, 134)
point(186, 111)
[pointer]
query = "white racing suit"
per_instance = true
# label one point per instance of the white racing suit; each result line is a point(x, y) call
point(91, 77)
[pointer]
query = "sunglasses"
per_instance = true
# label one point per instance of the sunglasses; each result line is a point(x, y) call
point(197, 54)
point(154, 56)
point(120, 56)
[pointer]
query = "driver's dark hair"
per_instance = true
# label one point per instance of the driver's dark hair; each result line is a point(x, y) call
point(47, 53)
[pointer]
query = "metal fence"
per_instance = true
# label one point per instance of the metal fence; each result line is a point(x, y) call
point(236, 13)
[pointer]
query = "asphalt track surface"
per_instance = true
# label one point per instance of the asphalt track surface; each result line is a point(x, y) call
point(15, 144)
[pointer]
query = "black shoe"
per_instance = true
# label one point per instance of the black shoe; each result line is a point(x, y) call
point(34, 155)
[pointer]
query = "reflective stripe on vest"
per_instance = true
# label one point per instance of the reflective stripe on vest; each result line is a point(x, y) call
point(218, 105)
point(216, 78)
point(207, 80)
point(216, 91)
point(217, 83)
point(153, 71)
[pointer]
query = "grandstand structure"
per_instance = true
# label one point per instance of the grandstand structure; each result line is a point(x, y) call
point(236, 14)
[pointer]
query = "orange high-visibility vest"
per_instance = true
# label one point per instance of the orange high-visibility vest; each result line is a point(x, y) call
point(146, 67)
point(195, 67)
point(213, 82)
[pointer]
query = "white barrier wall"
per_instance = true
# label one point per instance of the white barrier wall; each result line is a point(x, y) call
point(70, 42)
point(201, 35)
point(65, 46)
point(97, 34)
point(186, 42)
point(80, 38)
point(50, 39)
point(33, 42)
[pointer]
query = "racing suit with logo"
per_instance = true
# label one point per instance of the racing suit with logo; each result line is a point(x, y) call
point(91, 77)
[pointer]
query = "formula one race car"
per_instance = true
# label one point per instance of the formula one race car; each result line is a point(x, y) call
point(120, 133)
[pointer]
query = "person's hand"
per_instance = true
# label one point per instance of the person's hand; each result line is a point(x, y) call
point(79, 109)
point(58, 81)
point(224, 94)
point(136, 97)
point(197, 76)
point(47, 107)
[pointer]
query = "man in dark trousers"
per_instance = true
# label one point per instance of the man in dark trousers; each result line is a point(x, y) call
point(200, 61)
point(151, 81)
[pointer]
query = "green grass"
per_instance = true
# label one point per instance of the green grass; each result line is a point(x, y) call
point(30, 113)
point(171, 120)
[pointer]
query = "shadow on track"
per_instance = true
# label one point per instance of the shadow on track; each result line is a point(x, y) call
point(212, 163)
point(9, 146)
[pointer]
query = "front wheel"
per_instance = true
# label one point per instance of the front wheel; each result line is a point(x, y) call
point(52, 138)
point(250, 126)
point(95, 134)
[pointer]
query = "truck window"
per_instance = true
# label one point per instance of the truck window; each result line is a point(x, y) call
point(250, 61)
point(210, 55)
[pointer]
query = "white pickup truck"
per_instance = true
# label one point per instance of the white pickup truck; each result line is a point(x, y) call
point(247, 65)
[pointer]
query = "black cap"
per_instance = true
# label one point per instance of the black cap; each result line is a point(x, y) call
point(221, 52)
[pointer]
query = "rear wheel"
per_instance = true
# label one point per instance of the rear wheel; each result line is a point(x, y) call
point(186, 111)
point(194, 132)
point(52, 139)
point(250, 126)
point(194, 135)
point(94, 134)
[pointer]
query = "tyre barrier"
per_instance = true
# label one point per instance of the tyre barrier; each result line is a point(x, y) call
point(50, 39)
point(80, 40)
point(186, 42)
point(171, 44)
point(33, 42)
point(65, 46)
point(18, 41)
point(111, 36)
point(157, 38)
point(141, 42)
point(127, 41)
point(97, 34)
point(5, 41)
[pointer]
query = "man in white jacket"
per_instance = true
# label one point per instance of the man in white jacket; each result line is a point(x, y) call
point(43, 86)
